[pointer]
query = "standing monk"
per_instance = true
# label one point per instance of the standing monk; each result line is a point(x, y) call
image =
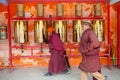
point(57, 62)
point(89, 48)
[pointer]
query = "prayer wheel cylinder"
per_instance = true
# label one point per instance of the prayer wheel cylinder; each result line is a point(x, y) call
point(59, 9)
point(98, 28)
point(40, 31)
point(20, 10)
point(77, 31)
point(40, 10)
point(78, 10)
point(97, 10)
point(21, 31)
point(26, 31)
point(61, 29)
point(100, 31)
point(3, 32)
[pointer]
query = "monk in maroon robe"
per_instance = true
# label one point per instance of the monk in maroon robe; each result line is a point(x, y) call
point(57, 62)
point(89, 48)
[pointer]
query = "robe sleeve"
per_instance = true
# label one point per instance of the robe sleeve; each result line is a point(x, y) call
point(57, 43)
point(82, 49)
point(52, 49)
point(93, 52)
point(93, 42)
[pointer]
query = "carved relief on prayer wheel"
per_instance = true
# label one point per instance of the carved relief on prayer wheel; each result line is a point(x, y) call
point(77, 30)
point(20, 10)
point(21, 31)
point(97, 10)
point(78, 10)
point(60, 9)
point(3, 32)
point(61, 29)
point(40, 31)
point(40, 10)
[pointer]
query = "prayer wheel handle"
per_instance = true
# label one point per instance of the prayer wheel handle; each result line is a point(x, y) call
point(22, 48)
point(41, 47)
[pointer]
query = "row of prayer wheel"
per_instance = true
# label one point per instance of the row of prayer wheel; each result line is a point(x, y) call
point(97, 10)
point(97, 26)
point(59, 10)
point(40, 31)
point(41, 35)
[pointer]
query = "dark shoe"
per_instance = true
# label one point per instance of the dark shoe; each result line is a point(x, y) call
point(48, 74)
point(65, 71)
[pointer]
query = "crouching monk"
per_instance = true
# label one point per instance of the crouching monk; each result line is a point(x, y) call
point(57, 62)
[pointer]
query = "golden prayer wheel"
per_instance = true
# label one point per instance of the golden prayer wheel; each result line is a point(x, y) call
point(97, 10)
point(78, 10)
point(60, 9)
point(40, 31)
point(21, 31)
point(40, 10)
point(77, 30)
point(98, 28)
point(20, 10)
point(3, 32)
point(61, 29)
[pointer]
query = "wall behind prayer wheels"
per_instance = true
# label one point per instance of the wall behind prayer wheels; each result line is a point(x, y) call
point(50, 8)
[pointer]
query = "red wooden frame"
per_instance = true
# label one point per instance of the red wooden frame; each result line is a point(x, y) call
point(61, 18)
point(58, 18)
point(102, 1)
point(9, 36)
point(106, 53)
point(118, 34)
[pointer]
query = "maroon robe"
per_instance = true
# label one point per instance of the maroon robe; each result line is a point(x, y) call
point(57, 61)
point(89, 48)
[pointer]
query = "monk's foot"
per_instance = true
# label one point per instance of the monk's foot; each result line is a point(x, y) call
point(48, 74)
